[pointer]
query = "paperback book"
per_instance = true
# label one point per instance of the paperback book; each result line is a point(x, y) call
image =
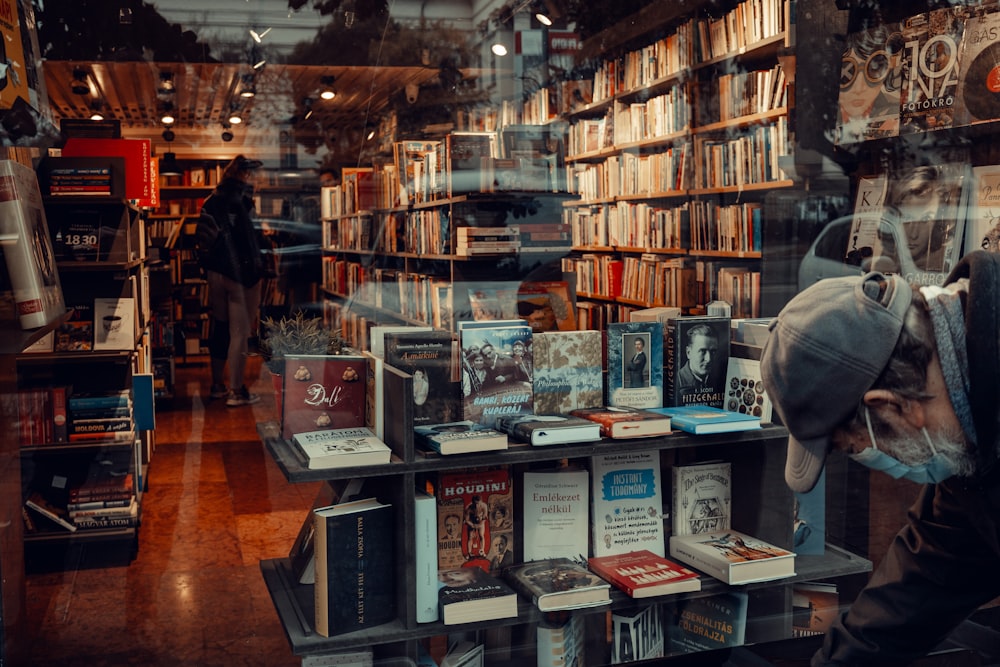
point(702, 419)
point(341, 448)
point(560, 640)
point(322, 393)
point(622, 422)
point(637, 634)
point(302, 555)
point(745, 392)
point(701, 497)
point(497, 372)
point(627, 497)
point(427, 356)
point(567, 371)
point(475, 519)
point(733, 557)
point(643, 574)
point(558, 583)
point(543, 430)
point(459, 437)
point(635, 364)
point(470, 594)
point(708, 623)
point(697, 357)
point(983, 224)
point(556, 506)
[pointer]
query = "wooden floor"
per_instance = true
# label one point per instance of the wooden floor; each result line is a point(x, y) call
point(216, 505)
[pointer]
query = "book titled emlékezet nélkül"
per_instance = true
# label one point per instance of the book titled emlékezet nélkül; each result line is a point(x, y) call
point(643, 574)
point(341, 448)
point(541, 430)
point(700, 419)
point(625, 422)
point(459, 437)
point(558, 583)
point(733, 557)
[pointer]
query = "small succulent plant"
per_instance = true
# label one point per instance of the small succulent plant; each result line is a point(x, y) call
point(296, 334)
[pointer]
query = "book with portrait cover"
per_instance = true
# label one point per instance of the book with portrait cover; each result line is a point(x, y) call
point(733, 557)
point(355, 566)
point(627, 503)
point(568, 371)
point(560, 640)
point(27, 247)
point(470, 594)
point(427, 356)
point(643, 574)
point(554, 584)
point(637, 634)
point(497, 371)
point(696, 360)
point(341, 448)
point(706, 623)
point(475, 518)
point(543, 430)
point(635, 364)
point(870, 83)
point(622, 422)
point(931, 66)
point(864, 242)
point(556, 513)
point(982, 226)
point(322, 392)
point(701, 497)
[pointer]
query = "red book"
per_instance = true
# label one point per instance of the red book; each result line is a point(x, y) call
point(322, 392)
point(643, 574)
point(625, 422)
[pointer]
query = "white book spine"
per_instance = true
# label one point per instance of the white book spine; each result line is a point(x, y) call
point(425, 557)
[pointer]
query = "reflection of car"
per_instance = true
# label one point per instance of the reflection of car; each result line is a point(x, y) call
point(827, 257)
point(296, 245)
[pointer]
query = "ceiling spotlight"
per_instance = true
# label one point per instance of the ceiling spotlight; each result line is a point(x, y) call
point(307, 104)
point(166, 86)
point(167, 118)
point(248, 88)
point(371, 135)
point(234, 118)
point(543, 19)
point(258, 36)
point(260, 63)
point(499, 49)
point(80, 85)
point(327, 92)
point(227, 134)
point(168, 135)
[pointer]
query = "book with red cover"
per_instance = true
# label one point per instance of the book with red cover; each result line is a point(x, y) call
point(624, 422)
point(475, 519)
point(643, 574)
point(322, 392)
point(138, 172)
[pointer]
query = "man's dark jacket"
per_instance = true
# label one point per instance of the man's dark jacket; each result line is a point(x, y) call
point(228, 242)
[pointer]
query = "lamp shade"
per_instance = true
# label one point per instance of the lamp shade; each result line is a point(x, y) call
point(169, 165)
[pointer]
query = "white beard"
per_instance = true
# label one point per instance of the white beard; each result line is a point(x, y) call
point(915, 450)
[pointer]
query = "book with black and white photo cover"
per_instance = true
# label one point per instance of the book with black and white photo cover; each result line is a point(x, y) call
point(27, 248)
point(341, 448)
point(555, 584)
point(698, 624)
point(623, 422)
point(543, 430)
point(322, 392)
point(459, 437)
point(627, 503)
point(377, 334)
point(643, 574)
point(982, 226)
point(428, 357)
point(475, 518)
point(556, 511)
point(355, 566)
point(696, 360)
point(497, 371)
point(701, 497)
point(635, 364)
point(470, 594)
point(114, 323)
point(733, 557)
point(568, 371)
point(560, 640)
point(637, 634)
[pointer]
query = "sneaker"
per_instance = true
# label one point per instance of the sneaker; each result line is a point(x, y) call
point(218, 391)
point(241, 396)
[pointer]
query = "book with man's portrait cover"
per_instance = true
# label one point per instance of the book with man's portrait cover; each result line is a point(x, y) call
point(696, 360)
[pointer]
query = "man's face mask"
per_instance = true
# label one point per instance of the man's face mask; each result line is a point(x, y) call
point(934, 470)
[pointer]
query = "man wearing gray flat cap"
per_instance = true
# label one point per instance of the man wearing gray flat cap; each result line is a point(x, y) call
point(905, 381)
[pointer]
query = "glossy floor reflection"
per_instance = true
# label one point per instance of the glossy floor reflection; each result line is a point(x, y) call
point(216, 505)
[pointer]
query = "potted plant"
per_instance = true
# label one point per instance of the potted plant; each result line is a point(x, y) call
point(295, 334)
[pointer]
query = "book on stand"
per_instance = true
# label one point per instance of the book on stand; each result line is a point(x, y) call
point(459, 437)
point(701, 498)
point(542, 430)
point(702, 419)
point(470, 594)
point(322, 392)
point(706, 623)
point(475, 518)
point(697, 356)
point(567, 371)
point(114, 323)
point(983, 224)
point(635, 364)
point(428, 357)
point(637, 634)
point(497, 370)
point(733, 557)
point(555, 584)
point(355, 565)
point(341, 448)
point(627, 503)
point(622, 422)
point(643, 574)
point(745, 392)
point(556, 506)
point(863, 116)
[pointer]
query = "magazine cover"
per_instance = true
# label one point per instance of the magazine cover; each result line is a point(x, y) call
point(871, 79)
point(932, 42)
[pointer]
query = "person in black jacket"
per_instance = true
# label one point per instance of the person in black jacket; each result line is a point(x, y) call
point(904, 380)
point(229, 249)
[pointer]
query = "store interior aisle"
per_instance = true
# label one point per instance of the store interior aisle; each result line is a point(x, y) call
point(216, 505)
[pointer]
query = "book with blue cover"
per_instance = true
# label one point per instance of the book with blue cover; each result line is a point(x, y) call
point(701, 419)
point(635, 364)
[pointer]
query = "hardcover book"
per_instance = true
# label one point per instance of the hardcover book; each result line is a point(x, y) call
point(475, 519)
point(707, 623)
point(554, 584)
point(545, 305)
point(643, 574)
point(425, 556)
point(745, 392)
point(561, 641)
point(50, 510)
point(556, 506)
point(865, 241)
point(568, 372)
point(637, 634)
point(815, 605)
point(497, 372)
point(982, 230)
point(469, 594)
point(701, 497)
point(464, 654)
point(459, 437)
point(427, 356)
point(302, 555)
point(26, 247)
point(542, 430)
point(341, 448)
point(621, 422)
point(697, 358)
point(322, 393)
point(355, 565)
point(635, 364)
point(627, 497)
point(733, 557)
point(702, 419)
